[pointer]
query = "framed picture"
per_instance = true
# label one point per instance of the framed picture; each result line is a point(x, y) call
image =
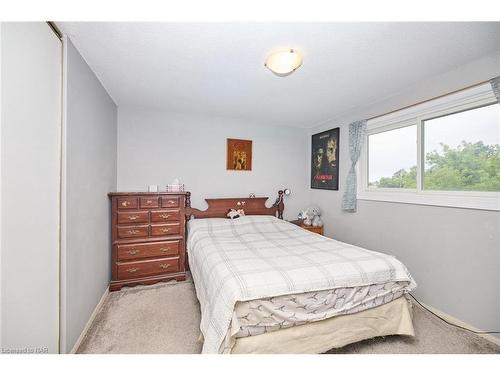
point(325, 160)
point(239, 155)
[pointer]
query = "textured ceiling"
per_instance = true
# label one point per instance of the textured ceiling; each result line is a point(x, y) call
point(218, 69)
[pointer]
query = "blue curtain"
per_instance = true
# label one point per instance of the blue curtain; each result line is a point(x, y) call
point(357, 132)
point(495, 85)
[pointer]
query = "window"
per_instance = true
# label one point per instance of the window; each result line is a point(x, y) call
point(443, 152)
point(392, 159)
point(462, 150)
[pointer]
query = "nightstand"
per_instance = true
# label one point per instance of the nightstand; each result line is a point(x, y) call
point(310, 228)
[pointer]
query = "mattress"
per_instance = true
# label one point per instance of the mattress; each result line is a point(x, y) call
point(257, 259)
point(270, 314)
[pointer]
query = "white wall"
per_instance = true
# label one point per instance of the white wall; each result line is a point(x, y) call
point(89, 173)
point(1, 117)
point(156, 147)
point(453, 254)
point(30, 174)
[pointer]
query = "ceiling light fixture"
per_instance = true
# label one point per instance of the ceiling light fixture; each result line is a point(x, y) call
point(283, 63)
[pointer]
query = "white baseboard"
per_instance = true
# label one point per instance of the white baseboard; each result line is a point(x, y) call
point(89, 322)
point(458, 322)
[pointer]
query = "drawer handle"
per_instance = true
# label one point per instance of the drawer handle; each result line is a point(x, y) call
point(149, 202)
point(171, 202)
point(164, 266)
point(133, 217)
point(132, 270)
point(125, 203)
point(133, 252)
point(164, 249)
point(165, 230)
point(164, 216)
point(133, 231)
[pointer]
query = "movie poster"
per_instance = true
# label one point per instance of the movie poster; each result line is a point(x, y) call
point(325, 160)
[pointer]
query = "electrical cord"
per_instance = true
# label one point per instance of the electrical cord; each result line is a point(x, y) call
point(452, 324)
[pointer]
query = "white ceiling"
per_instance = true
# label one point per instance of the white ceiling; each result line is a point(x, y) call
point(218, 69)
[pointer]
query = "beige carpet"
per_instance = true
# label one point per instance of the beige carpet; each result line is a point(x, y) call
point(165, 318)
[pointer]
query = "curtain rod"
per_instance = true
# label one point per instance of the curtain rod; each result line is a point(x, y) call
point(428, 100)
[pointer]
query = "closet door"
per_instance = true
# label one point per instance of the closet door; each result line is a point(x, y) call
point(30, 186)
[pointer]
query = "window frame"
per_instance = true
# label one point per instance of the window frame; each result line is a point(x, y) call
point(461, 101)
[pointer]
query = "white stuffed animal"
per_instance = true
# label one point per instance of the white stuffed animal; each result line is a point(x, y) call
point(307, 221)
point(234, 214)
point(316, 222)
point(308, 217)
point(313, 216)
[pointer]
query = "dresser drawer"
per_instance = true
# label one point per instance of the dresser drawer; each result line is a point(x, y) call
point(170, 202)
point(132, 270)
point(127, 202)
point(148, 250)
point(132, 217)
point(133, 231)
point(165, 215)
point(149, 202)
point(165, 229)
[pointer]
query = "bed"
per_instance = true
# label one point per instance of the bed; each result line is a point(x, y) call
point(268, 286)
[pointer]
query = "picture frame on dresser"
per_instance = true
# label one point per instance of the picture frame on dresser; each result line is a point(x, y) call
point(148, 238)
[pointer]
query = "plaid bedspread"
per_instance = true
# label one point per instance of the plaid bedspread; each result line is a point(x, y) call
point(256, 257)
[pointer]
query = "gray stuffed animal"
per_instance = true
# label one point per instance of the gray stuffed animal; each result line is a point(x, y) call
point(313, 216)
point(317, 222)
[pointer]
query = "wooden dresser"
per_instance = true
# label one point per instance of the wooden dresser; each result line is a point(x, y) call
point(148, 238)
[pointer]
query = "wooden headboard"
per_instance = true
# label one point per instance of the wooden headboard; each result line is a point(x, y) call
point(219, 207)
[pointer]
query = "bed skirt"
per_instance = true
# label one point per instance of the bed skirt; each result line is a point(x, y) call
point(393, 318)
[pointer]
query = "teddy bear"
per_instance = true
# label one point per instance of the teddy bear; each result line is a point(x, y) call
point(312, 216)
point(316, 222)
point(234, 214)
point(304, 216)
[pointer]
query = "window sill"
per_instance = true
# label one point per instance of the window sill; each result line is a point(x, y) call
point(468, 200)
